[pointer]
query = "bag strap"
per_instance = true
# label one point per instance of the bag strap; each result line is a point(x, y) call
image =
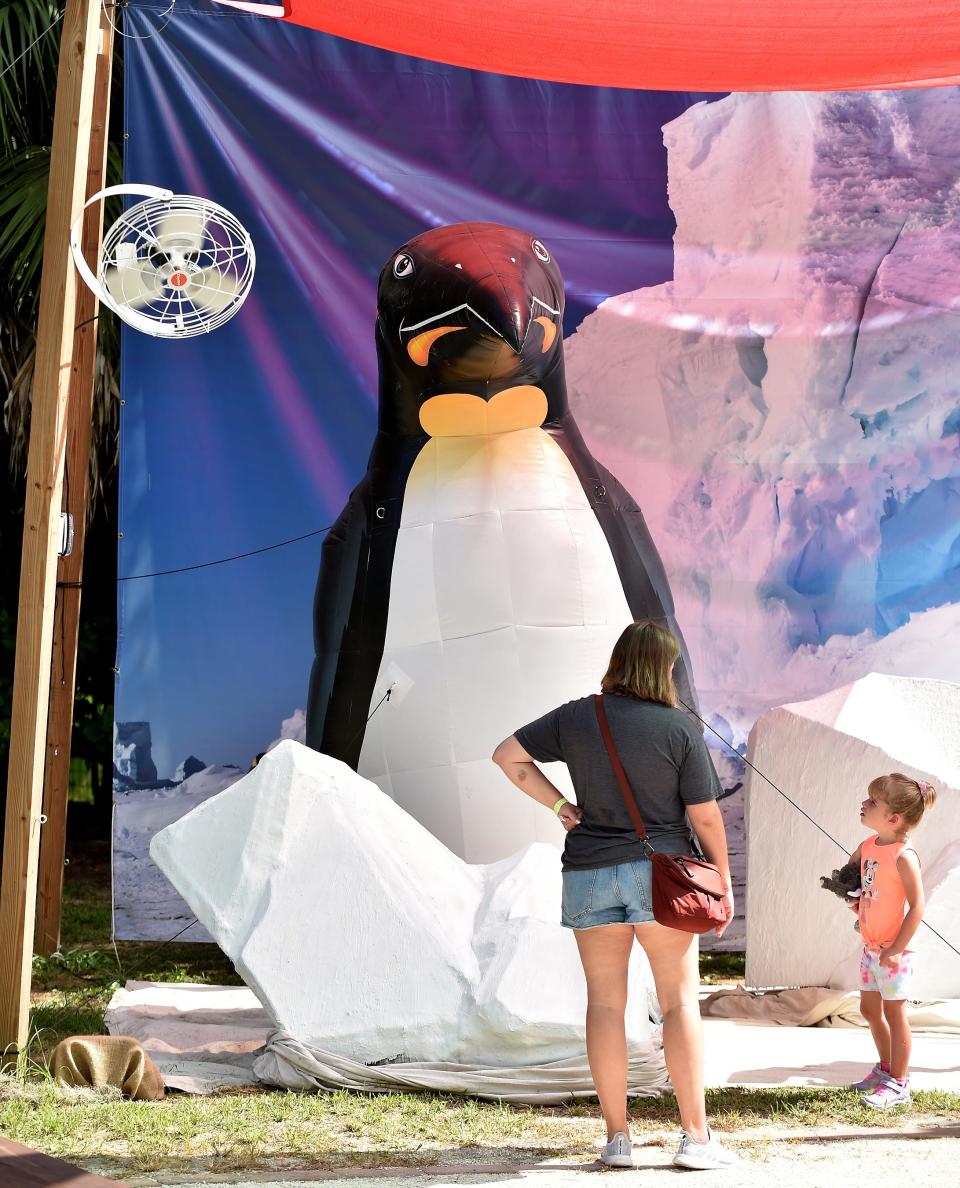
point(621, 775)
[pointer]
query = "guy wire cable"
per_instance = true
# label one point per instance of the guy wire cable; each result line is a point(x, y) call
point(133, 577)
point(40, 36)
point(795, 805)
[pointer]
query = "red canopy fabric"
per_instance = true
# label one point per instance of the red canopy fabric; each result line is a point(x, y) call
point(671, 45)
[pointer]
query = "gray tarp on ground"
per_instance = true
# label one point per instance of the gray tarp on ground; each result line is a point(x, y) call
point(205, 1038)
point(292, 1065)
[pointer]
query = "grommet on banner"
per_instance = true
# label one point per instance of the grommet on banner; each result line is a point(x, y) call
point(42, 818)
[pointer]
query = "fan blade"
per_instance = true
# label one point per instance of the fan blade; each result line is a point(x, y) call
point(183, 229)
point(212, 290)
point(134, 285)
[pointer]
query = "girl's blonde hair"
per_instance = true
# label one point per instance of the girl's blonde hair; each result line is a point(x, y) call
point(641, 664)
point(904, 795)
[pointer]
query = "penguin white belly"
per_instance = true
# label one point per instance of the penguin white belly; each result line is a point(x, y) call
point(505, 601)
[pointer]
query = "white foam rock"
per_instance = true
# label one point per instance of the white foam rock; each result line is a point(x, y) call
point(363, 935)
point(823, 753)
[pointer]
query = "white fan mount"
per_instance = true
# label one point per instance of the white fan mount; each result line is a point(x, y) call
point(173, 266)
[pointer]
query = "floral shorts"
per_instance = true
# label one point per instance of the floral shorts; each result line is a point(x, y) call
point(891, 982)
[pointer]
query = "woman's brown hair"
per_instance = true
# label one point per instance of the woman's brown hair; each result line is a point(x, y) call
point(642, 664)
point(904, 795)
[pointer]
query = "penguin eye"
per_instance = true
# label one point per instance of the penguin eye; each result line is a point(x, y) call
point(540, 251)
point(403, 266)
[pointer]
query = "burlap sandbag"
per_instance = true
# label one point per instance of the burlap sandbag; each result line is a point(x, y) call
point(99, 1060)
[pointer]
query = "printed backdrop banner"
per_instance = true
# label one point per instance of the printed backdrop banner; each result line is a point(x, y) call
point(332, 154)
point(760, 345)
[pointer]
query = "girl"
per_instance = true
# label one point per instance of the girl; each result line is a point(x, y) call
point(890, 908)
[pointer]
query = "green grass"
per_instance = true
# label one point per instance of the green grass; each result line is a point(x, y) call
point(721, 967)
point(276, 1130)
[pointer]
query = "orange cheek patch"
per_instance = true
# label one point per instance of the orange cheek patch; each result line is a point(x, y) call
point(458, 414)
point(549, 333)
point(419, 348)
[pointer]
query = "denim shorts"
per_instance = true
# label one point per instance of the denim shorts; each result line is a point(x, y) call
point(611, 895)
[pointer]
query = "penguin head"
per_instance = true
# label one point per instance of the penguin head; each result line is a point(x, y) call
point(469, 333)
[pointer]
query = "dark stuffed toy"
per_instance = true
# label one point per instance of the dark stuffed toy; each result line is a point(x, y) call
point(845, 883)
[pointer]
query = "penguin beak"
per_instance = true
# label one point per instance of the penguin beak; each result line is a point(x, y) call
point(502, 300)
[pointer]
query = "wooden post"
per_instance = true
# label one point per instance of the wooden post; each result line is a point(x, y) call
point(41, 523)
point(66, 620)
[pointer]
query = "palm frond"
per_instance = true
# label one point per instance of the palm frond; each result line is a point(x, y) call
point(24, 178)
point(28, 87)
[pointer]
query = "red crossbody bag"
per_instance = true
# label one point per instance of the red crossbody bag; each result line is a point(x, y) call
point(687, 892)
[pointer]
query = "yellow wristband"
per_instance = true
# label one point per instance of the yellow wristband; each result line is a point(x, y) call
point(559, 805)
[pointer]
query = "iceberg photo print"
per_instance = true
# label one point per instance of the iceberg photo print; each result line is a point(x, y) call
point(788, 405)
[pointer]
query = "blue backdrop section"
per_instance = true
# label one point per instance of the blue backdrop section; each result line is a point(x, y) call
point(332, 154)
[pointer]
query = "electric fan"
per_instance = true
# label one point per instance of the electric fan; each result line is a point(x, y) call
point(173, 266)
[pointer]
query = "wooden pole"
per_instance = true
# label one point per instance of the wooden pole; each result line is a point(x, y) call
point(56, 327)
point(66, 618)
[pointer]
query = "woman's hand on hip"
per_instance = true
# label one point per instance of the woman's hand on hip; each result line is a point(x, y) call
point(729, 910)
point(570, 816)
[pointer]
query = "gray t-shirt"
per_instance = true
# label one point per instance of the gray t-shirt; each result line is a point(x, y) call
point(666, 763)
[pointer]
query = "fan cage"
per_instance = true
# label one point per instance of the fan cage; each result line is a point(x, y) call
point(224, 247)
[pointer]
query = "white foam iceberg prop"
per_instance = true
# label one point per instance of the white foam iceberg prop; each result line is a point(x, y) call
point(823, 753)
point(384, 959)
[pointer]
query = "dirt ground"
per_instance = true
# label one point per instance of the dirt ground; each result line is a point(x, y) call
point(786, 1158)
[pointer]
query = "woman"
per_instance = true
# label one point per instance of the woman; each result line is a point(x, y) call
point(607, 878)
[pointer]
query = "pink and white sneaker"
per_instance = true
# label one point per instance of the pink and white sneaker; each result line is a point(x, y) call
point(889, 1095)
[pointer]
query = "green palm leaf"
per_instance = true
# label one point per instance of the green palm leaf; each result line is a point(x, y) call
point(23, 204)
point(27, 86)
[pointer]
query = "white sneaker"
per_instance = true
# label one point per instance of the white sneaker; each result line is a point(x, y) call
point(618, 1152)
point(888, 1095)
point(708, 1156)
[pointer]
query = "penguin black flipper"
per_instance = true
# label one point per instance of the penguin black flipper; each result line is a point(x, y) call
point(642, 575)
point(352, 601)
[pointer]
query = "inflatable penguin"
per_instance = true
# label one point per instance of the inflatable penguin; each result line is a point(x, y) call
point(482, 570)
